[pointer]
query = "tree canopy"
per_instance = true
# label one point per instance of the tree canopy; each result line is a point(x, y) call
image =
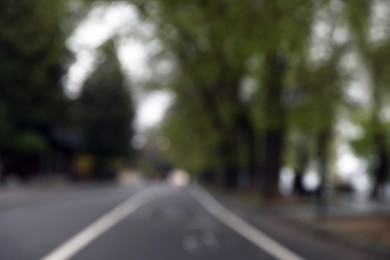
point(106, 111)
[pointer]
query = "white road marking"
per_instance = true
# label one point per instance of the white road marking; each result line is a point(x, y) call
point(107, 221)
point(242, 227)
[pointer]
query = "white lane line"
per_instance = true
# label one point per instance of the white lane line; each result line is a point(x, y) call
point(242, 227)
point(97, 228)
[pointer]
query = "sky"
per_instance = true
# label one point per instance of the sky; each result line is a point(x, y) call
point(118, 19)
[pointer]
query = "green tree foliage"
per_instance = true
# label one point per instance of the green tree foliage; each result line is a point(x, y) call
point(32, 63)
point(106, 112)
point(373, 55)
point(212, 58)
point(215, 46)
point(212, 44)
point(208, 70)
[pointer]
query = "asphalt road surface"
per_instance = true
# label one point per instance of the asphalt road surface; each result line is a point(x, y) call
point(154, 221)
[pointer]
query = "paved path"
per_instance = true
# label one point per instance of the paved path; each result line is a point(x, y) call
point(157, 221)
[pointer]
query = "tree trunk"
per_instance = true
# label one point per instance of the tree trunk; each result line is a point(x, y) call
point(323, 141)
point(228, 163)
point(273, 161)
point(231, 176)
point(252, 161)
point(245, 127)
point(382, 156)
point(382, 167)
point(302, 162)
point(275, 67)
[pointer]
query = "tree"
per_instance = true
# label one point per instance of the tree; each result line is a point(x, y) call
point(373, 55)
point(106, 112)
point(212, 43)
point(215, 45)
point(208, 73)
point(32, 64)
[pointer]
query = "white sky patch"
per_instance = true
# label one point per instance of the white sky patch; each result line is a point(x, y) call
point(347, 163)
point(320, 41)
point(286, 180)
point(340, 35)
point(152, 109)
point(321, 35)
point(311, 180)
point(385, 115)
point(133, 57)
point(327, 30)
point(100, 25)
point(358, 87)
point(347, 129)
point(358, 92)
point(119, 20)
point(79, 71)
point(248, 88)
point(380, 20)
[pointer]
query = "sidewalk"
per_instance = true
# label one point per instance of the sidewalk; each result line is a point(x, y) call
point(340, 207)
point(363, 224)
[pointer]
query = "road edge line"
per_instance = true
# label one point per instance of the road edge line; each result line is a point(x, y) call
point(242, 227)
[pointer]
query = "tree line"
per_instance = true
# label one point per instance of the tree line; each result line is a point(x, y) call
point(41, 129)
point(263, 84)
point(257, 84)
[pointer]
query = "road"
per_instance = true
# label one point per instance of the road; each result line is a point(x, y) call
point(153, 221)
